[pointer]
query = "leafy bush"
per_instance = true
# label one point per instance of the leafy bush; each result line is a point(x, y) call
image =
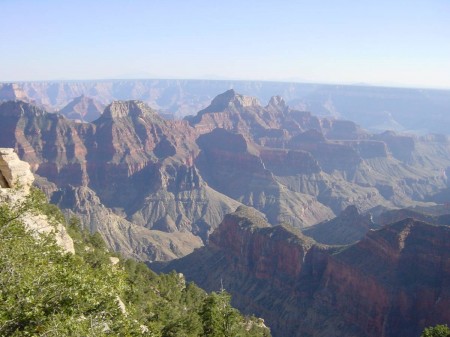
point(437, 331)
point(47, 292)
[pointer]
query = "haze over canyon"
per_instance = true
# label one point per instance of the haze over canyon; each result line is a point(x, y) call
point(321, 208)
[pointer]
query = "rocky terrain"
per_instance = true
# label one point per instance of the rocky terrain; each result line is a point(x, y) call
point(376, 108)
point(83, 109)
point(15, 183)
point(393, 282)
point(348, 227)
point(58, 280)
point(164, 185)
point(313, 223)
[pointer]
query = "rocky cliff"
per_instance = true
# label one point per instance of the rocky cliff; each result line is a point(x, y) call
point(183, 176)
point(394, 282)
point(375, 108)
point(15, 183)
point(133, 167)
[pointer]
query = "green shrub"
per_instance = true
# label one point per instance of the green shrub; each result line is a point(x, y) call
point(437, 331)
point(47, 292)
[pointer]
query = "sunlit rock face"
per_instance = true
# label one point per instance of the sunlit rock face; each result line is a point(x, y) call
point(393, 282)
point(15, 182)
point(13, 171)
point(137, 169)
point(183, 176)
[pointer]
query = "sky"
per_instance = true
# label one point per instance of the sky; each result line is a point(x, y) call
point(376, 42)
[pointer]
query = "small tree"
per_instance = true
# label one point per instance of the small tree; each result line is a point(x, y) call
point(219, 318)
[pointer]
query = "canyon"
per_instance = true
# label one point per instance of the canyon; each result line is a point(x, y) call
point(392, 282)
point(313, 223)
point(165, 185)
point(376, 108)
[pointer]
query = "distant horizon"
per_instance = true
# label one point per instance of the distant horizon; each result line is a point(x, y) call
point(404, 43)
point(374, 85)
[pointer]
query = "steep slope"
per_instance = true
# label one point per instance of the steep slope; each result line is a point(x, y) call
point(184, 176)
point(50, 143)
point(260, 265)
point(348, 227)
point(336, 162)
point(83, 109)
point(232, 166)
point(394, 282)
point(131, 166)
point(121, 235)
point(150, 161)
point(16, 194)
point(53, 284)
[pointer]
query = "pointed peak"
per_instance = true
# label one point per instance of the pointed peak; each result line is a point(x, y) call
point(231, 98)
point(277, 102)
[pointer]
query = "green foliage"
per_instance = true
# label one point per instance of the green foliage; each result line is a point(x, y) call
point(436, 331)
point(47, 292)
point(219, 319)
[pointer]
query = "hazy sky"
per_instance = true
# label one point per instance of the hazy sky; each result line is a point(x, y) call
point(387, 42)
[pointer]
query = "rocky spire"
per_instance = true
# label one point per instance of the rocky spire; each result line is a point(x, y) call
point(13, 171)
point(277, 102)
point(231, 97)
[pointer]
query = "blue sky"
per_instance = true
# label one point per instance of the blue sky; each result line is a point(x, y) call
point(394, 42)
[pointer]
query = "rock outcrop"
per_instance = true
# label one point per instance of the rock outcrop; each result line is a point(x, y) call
point(15, 183)
point(13, 171)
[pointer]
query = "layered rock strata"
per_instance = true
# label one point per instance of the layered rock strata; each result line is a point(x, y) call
point(184, 176)
point(394, 282)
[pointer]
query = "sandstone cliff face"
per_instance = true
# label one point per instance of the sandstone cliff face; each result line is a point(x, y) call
point(13, 171)
point(130, 239)
point(184, 176)
point(15, 182)
point(138, 166)
point(267, 269)
point(394, 282)
point(232, 166)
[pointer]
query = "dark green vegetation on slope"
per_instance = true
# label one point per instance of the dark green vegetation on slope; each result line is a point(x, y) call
point(436, 331)
point(47, 292)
